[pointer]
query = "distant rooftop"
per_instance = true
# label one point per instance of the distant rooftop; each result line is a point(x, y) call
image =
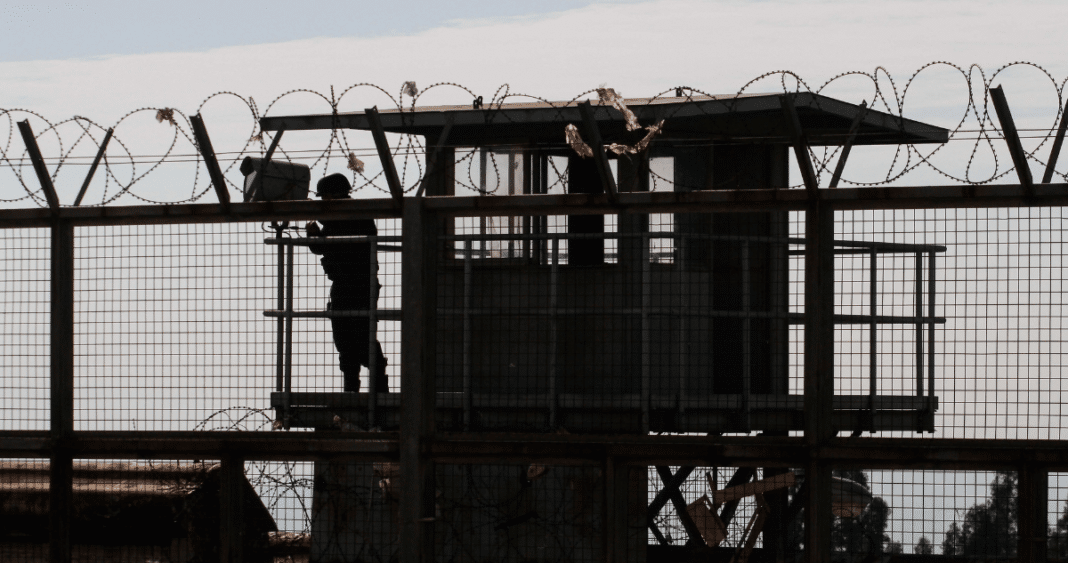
point(744, 118)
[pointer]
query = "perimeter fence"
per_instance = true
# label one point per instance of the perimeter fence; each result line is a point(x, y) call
point(737, 368)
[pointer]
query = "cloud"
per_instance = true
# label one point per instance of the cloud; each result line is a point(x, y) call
point(637, 48)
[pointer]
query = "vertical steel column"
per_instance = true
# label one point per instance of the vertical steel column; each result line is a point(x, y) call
point(372, 336)
point(646, 333)
point(467, 335)
point(231, 510)
point(61, 474)
point(873, 335)
point(819, 374)
point(1032, 499)
point(289, 319)
point(418, 390)
point(281, 328)
point(919, 324)
point(554, 283)
point(684, 334)
point(617, 489)
point(747, 341)
point(930, 332)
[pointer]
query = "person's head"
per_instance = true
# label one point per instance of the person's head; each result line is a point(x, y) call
point(334, 186)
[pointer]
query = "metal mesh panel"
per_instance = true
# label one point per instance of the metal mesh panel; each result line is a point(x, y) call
point(962, 515)
point(171, 330)
point(25, 299)
point(998, 355)
point(532, 512)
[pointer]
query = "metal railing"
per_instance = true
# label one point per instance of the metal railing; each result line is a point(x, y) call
point(925, 295)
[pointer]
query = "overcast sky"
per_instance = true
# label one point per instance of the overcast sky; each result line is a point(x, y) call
point(104, 59)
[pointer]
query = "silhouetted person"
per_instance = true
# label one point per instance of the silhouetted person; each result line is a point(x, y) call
point(348, 265)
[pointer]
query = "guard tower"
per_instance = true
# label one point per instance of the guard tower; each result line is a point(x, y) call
point(602, 319)
point(628, 323)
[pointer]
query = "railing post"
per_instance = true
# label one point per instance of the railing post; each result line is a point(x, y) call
point(418, 393)
point(1032, 496)
point(61, 474)
point(819, 374)
point(231, 510)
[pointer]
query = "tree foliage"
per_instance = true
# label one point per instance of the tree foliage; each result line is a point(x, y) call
point(865, 535)
point(1058, 537)
point(988, 528)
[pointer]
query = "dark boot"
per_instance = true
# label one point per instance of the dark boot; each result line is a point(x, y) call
point(352, 382)
point(381, 383)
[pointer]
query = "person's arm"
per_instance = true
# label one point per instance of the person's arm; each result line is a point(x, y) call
point(312, 230)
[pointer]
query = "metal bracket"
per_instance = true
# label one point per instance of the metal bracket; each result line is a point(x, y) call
point(1055, 151)
point(432, 158)
point(1012, 138)
point(671, 486)
point(39, 165)
point(388, 167)
point(800, 143)
point(671, 490)
point(200, 134)
point(848, 146)
point(92, 169)
point(592, 134)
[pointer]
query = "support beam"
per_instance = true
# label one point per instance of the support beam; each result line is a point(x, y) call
point(1012, 138)
point(384, 155)
point(432, 158)
point(676, 498)
point(819, 374)
point(200, 134)
point(618, 488)
point(663, 496)
point(39, 167)
point(92, 169)
point(1055, 151)
point(743, 475)
point(1033, 498)
point(800, 143)
point(231, 510)
point(592, 134)
point(61, 491)
point(416, 511)
point(848, 146)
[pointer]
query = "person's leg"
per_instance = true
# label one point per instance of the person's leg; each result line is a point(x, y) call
point(347, 338)
point(381, 382)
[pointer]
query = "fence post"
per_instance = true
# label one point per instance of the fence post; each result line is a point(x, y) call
point(61, 472)
point(1032, 498)
point(418, 392)
point(819, 373)
point(231, 510)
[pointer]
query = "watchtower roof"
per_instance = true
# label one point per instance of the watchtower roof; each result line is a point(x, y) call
point(736, 118)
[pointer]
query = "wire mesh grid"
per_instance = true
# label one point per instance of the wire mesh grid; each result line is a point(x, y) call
point(25, 304)
point(961, 515)
point(169, 324)
point(164, 511)
point(995, 363)
point(735, 524)
point(171, 329)
point(1057, 511)
point(532, 512)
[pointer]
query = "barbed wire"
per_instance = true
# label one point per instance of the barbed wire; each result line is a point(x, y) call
point(70, 143)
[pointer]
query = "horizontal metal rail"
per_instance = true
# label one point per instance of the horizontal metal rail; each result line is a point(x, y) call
point(723, 451)
point(741, 201)
point(794, 318)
